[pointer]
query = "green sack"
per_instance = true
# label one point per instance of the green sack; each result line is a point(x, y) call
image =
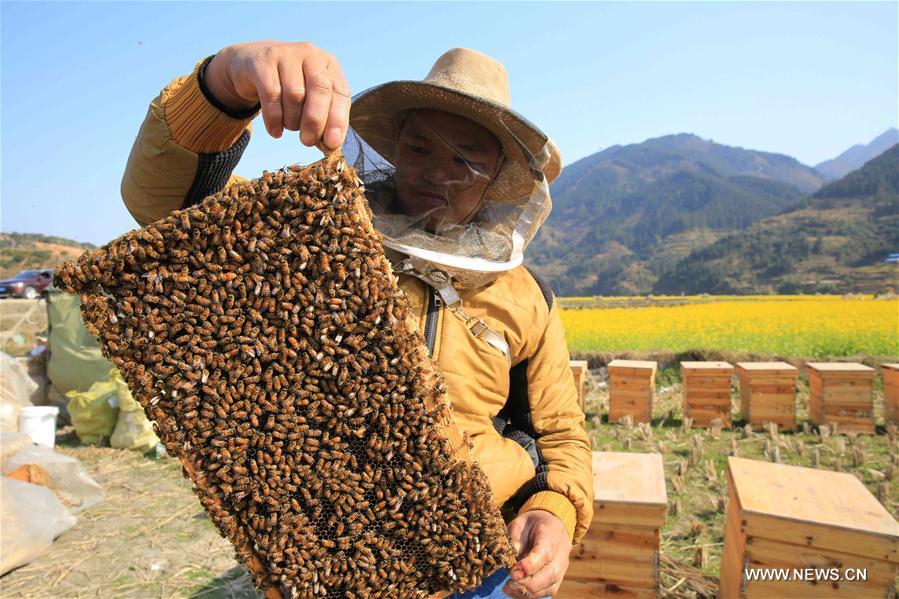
point(75, 362)
point(133, 429)
point(94, 412)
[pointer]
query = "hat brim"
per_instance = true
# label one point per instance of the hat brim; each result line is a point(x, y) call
point(373, 116)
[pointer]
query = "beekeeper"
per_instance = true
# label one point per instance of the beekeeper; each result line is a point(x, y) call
point(458, 186)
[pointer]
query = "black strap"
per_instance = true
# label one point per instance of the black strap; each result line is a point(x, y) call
point(517, 410)
point(545, 289)
point(514, 420)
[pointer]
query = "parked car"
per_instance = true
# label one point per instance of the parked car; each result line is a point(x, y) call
point(29, 284)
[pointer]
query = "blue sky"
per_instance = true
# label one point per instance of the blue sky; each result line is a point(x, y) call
point(804, 79)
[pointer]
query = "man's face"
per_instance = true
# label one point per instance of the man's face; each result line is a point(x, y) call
point(444, 164)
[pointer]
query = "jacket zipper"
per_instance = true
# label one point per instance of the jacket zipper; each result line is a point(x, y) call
point(431, 320)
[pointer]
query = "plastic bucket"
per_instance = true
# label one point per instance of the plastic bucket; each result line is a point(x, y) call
point(39, 422)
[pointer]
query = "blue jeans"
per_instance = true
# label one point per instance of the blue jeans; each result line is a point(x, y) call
point(491, 588)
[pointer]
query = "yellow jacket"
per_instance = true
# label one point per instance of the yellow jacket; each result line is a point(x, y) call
point(187, 149)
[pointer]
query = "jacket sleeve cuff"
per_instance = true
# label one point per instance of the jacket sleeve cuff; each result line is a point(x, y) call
point(196, 123)
point(556, 504)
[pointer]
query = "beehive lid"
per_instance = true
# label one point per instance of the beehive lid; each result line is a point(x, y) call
point(890, 366)
point(767, 367)
point(820, 508)
point(707, 366)
point(629, 488)
point(841, 368)
point(632, 366)
point(578, 363)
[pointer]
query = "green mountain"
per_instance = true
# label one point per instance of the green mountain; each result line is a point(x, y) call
point(24, 251)
point(835, 241)
point(623, 216)
point(857, 155)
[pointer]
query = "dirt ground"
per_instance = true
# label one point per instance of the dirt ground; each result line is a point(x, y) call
point(150, 538)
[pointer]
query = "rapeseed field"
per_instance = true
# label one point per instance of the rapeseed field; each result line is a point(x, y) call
point(802, 326)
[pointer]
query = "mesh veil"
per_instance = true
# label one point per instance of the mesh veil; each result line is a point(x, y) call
point(487, 242)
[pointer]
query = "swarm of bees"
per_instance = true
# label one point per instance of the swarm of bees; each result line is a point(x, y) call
point(263, 332)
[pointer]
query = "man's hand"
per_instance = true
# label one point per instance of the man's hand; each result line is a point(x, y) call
point(542, 540)
point(300, 87)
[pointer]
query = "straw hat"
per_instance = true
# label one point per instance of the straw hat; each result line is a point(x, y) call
point(473, 85)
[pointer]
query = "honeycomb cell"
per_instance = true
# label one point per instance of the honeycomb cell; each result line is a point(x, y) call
point(264, 335)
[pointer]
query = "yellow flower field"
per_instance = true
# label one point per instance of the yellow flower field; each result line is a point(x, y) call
point(802, 326)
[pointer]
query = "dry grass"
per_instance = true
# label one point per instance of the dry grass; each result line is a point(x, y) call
point(21, 320)
point(148, 538)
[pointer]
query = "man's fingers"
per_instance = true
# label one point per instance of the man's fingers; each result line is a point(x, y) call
point(545, 583)
point(318, 100)
point(293, 92)
point(547, 549)
point(339, 112)
point(299, 87)
point(265, 78)
point(513, 589)
point(540, 554)
point(542, 583)
point(517, 533)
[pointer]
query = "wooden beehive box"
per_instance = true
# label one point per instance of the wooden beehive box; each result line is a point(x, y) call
point(631, 387)
point(843, 394)
point(707, 391)
point(791, 517)
point(619, 556)
point(768, 393)
point(579, 370)
point(890, 392)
